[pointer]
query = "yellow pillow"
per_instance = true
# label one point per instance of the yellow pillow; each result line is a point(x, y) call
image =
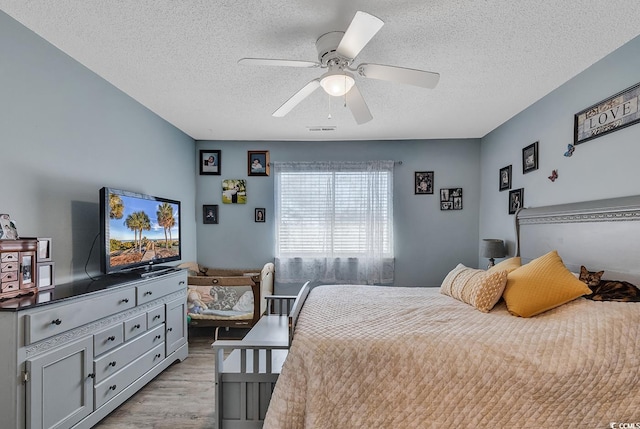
point(507, 265)
point(478, 288)
point(541, 285)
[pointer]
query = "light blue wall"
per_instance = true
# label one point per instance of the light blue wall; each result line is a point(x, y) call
point(428, 241)
point(601, 168)
point(65, 133)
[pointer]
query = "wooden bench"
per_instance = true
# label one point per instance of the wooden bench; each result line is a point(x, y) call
point(245, 379)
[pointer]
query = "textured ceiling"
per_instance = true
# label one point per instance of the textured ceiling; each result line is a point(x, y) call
point(179, 59)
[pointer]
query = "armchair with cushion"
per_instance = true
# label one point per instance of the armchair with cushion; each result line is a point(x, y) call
point(227, 298)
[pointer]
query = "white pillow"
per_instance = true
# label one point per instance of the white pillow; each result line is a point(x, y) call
point(245, 303)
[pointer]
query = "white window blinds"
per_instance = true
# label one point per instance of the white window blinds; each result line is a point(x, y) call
point(333, 214)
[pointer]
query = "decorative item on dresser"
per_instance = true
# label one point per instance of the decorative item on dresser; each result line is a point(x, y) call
point(493, 248)
point(18, 274)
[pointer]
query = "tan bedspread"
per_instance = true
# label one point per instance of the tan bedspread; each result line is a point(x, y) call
point(390, 357)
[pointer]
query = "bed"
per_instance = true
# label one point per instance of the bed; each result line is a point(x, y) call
point(394, 357)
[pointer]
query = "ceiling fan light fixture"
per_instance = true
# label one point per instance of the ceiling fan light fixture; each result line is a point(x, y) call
point(337, 83)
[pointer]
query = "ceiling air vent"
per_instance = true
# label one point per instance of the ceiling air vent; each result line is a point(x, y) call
point(322, 128)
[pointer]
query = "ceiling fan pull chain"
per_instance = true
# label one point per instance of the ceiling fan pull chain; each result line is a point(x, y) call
point(329, 117)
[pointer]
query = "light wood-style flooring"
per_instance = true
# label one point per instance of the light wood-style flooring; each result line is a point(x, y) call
point(179, 398)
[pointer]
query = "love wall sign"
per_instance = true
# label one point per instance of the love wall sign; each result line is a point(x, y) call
point(609, 115)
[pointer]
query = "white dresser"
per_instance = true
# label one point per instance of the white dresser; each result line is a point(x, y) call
point(71, 355)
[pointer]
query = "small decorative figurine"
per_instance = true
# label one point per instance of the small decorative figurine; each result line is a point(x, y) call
point(8, 229)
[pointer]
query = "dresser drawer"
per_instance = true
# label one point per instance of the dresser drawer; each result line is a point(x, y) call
point(9, 266)
point(9, 286)
point(113, 385)
point(134, 327)
point(7, 277)
point(157, 288)
point(114, 361)
point(46, 323)
point(105, 340)
point(155, 316)
point(9, 257)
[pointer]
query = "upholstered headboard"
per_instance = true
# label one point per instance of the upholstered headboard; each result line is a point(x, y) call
point(602, 235)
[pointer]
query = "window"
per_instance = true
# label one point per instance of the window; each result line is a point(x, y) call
point(334, 221)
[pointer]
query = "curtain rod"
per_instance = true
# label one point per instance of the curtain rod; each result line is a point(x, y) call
point(395, 162)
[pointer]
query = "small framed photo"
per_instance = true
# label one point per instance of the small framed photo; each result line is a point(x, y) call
point(258, 162)
point(451, 199)
point(530, 158)
point(210, 162)
point(234, 191)
point(423, 182)
point(260, 215)
point(516, 200)
point(505, 178)
point(210, 213)
point(44, 249)
point(46, 279)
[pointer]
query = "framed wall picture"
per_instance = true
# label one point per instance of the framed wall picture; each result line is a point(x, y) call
point(516, 200)
point(505, 178)
point(210, 162)
point(44, 249)
point(612, 114)
point(234, 191)
point(210, 213)
point(451, 199)
point(46, 279)
point(260, 214)
point(530, 158)
point(258, 162)
point(423, 182)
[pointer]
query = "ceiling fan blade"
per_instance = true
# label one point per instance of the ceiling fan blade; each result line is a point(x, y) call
point(358, 107)
point(361, 30)
point(407, 76)
point(297, 98)
point(277, 62)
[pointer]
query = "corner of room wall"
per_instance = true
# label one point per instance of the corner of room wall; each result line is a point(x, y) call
point(601, 168)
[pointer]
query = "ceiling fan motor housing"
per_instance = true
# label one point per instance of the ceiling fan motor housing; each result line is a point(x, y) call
point(326, 46)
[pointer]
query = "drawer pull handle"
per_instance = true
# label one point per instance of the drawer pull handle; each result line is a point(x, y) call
point(169, 329)
point(148, 293)
point(113, 387)
point(92, 375)
point(157, 316)
point(111, 338)
point(124, 300)
point(181, 282)
point(112, 363)
point(158, 337)
point(136, 326)
point(158, 355)
point(56, 322)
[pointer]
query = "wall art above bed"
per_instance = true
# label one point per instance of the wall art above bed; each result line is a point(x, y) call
point(606, 116)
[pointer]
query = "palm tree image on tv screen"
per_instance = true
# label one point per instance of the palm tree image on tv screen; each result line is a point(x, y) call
point(142, 230)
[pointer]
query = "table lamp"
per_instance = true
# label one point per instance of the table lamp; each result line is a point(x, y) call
point(493, 248)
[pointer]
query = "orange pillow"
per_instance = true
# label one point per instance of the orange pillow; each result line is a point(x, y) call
point(541, 285)
point(507, 265)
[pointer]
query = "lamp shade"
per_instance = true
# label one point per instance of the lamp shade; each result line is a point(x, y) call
point(337, 82)
point(493, 248)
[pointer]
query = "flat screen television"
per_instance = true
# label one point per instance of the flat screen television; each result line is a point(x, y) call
point(138, 232)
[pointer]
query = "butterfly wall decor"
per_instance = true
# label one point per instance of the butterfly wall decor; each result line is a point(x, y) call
point(554, 175)
point(570, 149)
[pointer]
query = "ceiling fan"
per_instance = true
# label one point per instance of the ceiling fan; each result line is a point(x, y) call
point(336, 52)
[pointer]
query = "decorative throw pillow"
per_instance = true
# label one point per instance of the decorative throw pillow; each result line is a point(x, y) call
point(507, 265)
point(541, 285)
point(479, 288)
